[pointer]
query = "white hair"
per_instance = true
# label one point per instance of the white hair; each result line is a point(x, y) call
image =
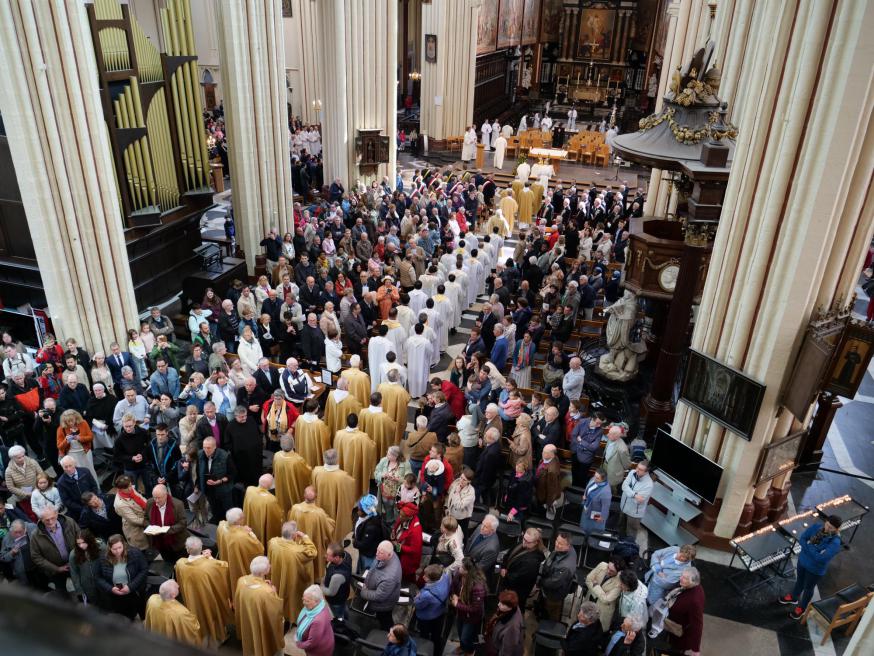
point(314, 592)
point(169, 590)
point(491, 520)
point(259, 566)
point(693, 575)
point(66, 460)
point(234, 516)
point(16, 450)
point(193, 545)
point(421, 422)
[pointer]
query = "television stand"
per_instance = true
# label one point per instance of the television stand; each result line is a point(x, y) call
point(675, 500)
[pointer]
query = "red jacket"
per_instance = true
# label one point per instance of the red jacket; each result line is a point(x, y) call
point(447, 469)
point(454, 397)
point(410, 541)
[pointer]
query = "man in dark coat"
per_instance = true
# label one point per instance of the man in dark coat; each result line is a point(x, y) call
point(49, 558)
point(99, 516)
point(441, 417)
point(355, 330)
point(266, 378)
point(584, 638)
point(312, 340)
point(211, 424)
point(488, 466)
point(521, 565)
point(216, 474)
point(246, 446)
point(74, 395)
point(72, 484)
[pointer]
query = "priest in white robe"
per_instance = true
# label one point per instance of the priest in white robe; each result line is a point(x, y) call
point(546, 124)
point(468, 149)
point(417, 299)
point(486, 132)
point(572, 119)
point(444, 308)
point(500, 150)
point(435, 322)
point(431, 335)
point(453, 291)
point(392, 364)
point(523, 123)
point(396, 333)
point(496, 131)
point(430, 281)
point(418, 350)
point(507, 131)
point(406, 316)
point(523, 171)
point(377, 348)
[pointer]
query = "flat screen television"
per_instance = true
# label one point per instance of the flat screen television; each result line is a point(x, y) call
point(686, 466)
point(724, 394)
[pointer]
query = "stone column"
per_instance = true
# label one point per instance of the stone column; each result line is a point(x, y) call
point(252, 53)
point(452, 79)
point(777, 257)
point(306, 13)
point(360, 82)
point(51, 106)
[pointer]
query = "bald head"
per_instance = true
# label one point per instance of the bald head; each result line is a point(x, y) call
point(309, 494)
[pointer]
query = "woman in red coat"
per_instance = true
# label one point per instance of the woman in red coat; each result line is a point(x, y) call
point(406, 534)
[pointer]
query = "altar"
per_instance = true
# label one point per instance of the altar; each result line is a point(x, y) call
point(554, 155)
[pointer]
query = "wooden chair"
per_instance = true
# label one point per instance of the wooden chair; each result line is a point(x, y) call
point(602, 156)
point(835, 611)
point(586, 153)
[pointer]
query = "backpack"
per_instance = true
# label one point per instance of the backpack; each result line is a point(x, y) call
point(627, 549)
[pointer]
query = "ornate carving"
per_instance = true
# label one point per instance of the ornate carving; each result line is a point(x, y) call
point(712, 129)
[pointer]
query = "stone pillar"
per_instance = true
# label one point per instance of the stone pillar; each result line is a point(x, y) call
point(312, 89)
point(252, 53)
point(51, 106)
point(451, 80)
point(777, 257)
point(360, 82)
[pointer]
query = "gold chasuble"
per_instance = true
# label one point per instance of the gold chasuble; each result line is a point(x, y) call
point(395, 403)
point(172, 619)
point(537, 190)
point(314, 521)
point(359, 384)
point(205, 585)
point(311, 438)
point(291, 475)
point(238, 546)
point(380, 427)
point(258, 614)
point(526, 206)
point(357, 454)
point(291, 571)
point(263, 514)
point(517, 186)
point(338, 407)
point(336, 494)
point(509, 206)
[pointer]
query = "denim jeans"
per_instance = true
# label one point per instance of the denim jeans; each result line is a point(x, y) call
point(364, 563)
point(467, 635)
point(339, 611)
point(137, 475)
point(805, 582)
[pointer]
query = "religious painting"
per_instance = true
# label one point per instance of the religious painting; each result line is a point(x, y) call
point(779, 457)
point(530, 22)
point(646, 19)
point(851, 359)
point(431, 48)
point(509, 23)
point(487, 28)
point(596, 34)
point(550, 22)
point(722, 393)
point(287, 11)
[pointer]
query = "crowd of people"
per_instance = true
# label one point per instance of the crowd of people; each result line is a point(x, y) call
point(117, 461)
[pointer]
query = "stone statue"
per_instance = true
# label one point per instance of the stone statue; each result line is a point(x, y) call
point(621, 362)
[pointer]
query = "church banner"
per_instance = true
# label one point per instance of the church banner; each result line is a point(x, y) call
point(851, 360)
point(550, 22)
point(509, 23)
point(530, 22)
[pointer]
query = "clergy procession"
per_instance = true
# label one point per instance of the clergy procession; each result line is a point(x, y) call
point(275, 506)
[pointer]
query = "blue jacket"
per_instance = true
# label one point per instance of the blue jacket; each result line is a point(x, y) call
point(499, 352)
point(816, 557)
point(481, 397)
point(431, 601)
point(585, 441)
point(599, 500)
point(161, 384)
